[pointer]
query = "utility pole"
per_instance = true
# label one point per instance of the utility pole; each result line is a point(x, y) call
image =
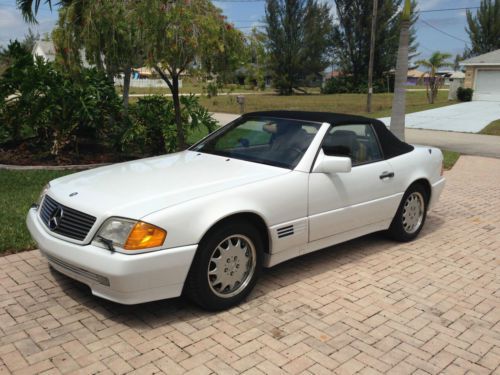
point(372, 55)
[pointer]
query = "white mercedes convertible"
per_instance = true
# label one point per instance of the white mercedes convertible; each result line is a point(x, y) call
point(268, 187)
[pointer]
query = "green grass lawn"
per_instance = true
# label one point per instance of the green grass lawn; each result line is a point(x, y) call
point(194, 88)
point(18, 190)
point(343, 103)
point(450, 158)
point(492, 129)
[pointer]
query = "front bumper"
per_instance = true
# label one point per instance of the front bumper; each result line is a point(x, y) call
point(122, 278)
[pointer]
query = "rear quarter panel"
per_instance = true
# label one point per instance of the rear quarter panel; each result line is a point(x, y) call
point(422, 163)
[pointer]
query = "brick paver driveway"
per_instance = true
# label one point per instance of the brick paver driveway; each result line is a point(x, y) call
point(368, 306)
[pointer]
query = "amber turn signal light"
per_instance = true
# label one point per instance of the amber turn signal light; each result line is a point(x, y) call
point(144, 236)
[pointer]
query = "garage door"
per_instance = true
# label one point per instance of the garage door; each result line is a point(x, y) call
point(487, 85)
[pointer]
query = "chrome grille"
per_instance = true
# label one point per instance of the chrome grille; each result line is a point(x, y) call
point(73, 224)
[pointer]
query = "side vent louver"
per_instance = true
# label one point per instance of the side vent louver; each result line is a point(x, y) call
point(285, 231)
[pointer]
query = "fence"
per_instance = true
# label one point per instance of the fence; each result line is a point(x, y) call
point(146, 83)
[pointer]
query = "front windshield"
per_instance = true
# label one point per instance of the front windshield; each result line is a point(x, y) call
point(273, 141)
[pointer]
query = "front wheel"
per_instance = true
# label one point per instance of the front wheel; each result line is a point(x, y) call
point(226, 266)
point(411, 214)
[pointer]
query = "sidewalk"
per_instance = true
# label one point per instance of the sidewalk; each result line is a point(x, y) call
point(465, 143)
point(469, 117)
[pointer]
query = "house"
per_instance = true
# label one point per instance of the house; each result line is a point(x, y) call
point(482, 73)
point(416, 77)
point(333, 74)
point(44, 49)
point(448, 76)
point(47, 50)
point(142, 77)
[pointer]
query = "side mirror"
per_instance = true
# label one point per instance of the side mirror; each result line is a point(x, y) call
point(332, 164)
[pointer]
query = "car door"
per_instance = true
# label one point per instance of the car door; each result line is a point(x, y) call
point(341, 202)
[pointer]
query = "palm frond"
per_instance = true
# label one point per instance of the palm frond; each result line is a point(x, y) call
point(29, 8)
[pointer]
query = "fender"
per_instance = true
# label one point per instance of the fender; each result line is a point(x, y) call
point(188, 222)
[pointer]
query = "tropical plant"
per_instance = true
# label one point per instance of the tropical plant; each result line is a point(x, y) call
point(54, 108)
point(152, 126)
point(212, 89)
point(223, 61)
point(351, 36)
point(176, 34)
point(7, 54)
point(397, 125)
point(436, 61)
point(152, 129)
point(484, 28)
point(18, 87)
point(196, 116)
point(108, 33)
point(297, 39)
point(29, 8)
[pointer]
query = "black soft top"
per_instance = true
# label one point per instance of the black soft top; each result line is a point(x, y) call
point(330, 117)
point(391, 145)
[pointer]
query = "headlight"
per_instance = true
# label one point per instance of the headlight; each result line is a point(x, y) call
point(131, 234)
point(42, 194)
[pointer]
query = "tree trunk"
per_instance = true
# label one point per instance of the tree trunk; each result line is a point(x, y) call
point(433, 90)
point(399, 100)
point(126, 88)
point(173, 85)
point(181, 143)
point(99, 63)
point(372, 57)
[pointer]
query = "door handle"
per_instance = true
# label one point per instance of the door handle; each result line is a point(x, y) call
point(386, 175)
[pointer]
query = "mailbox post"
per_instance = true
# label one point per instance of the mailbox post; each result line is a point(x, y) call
point(240, 99)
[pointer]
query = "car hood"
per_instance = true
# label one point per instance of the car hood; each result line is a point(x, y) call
point(137, 188)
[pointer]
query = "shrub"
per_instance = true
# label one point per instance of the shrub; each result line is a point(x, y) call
point(347, 85)
point(55, 107)
point(152, 128)
point(464, 94)
point(195, 116)
point(212, 89)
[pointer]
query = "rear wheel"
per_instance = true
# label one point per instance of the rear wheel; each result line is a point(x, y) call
point(411, 214)
point(226, 266)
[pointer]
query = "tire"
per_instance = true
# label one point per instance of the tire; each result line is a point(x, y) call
point(411, 214)
point(206, 280)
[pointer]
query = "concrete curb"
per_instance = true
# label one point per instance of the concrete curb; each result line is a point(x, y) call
point(50, 167)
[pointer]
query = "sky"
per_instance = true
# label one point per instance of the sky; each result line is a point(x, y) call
point(442, 30)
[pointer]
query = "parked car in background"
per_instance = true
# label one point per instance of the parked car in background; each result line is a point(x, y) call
point(268, 187)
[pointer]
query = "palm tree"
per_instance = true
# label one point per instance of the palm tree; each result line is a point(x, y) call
point(29, 8)
point(399, 99)
point(436, 61)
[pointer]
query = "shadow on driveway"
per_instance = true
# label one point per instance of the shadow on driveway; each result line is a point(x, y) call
point(157, 313)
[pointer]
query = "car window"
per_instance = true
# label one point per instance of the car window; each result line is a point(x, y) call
point(249, 134)
point(274, 141)
point(357, 141)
